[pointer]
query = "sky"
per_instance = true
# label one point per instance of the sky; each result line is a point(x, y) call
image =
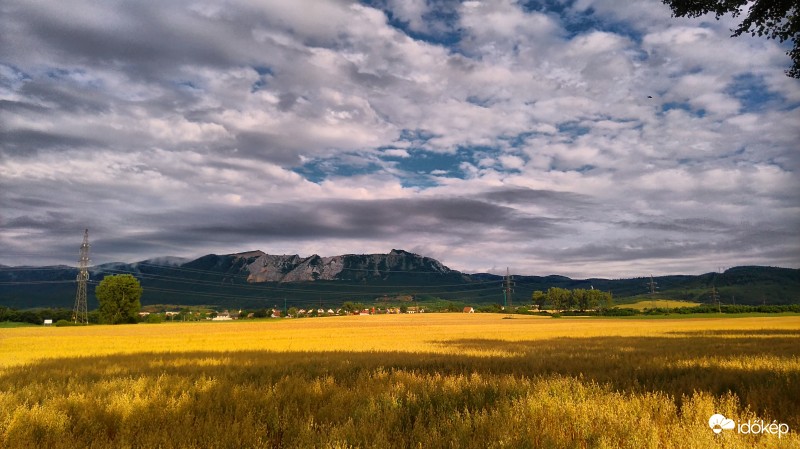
point(585, 138)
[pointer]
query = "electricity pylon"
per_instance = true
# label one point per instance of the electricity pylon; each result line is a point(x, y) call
point(507, 291)
point(80, 314)
point(653, 286)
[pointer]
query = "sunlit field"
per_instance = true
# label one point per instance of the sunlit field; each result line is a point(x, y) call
point(427, 380)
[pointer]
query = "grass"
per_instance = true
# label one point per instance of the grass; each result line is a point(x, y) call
point(659, 303)
point(678, 316)
point(13, 324)
point(435, 380)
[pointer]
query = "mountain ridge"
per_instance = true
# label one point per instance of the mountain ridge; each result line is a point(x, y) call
point(255, 278)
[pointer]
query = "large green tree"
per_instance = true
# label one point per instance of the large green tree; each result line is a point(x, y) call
point(119, 296)
point(775, 19)
point(539, 299)
point(559, 298)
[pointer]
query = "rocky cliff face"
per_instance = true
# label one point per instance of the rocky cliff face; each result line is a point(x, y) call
point(292, 268)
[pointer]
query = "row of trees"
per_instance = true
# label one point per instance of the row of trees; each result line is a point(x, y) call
point(119, 298)
point(38, 316)
point(578, 299)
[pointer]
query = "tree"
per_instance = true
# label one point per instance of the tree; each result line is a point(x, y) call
point(154, 318)
point(571, 301)
point(558, 297)
point(352, 307)
point(775, 19)
point(581, 299)
point(593, 298)
point(539, 299)
point(119, 298)
point(601, 300)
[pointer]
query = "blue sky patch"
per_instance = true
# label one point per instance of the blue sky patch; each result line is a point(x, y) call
point(263, 70)
point(425, 162)
point(577, 23)
point(320, 170)
point(573, 129)
point(441, 21)
point(752, 92)
point(264, 73)
point(666, 107)
point(416, 136)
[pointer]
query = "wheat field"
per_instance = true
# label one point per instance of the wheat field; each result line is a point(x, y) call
point(435, 380)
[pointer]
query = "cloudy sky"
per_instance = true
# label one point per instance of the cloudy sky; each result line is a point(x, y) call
point(582, 138)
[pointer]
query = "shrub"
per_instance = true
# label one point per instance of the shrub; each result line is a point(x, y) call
point(154, 318)
point(621, 312)
point(65, 323)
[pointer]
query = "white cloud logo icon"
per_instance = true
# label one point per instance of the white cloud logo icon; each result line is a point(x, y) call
point(718, 423)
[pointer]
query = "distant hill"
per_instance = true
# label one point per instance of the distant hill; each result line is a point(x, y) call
point(256, 279)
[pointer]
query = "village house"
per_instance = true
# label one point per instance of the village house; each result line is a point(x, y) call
point(222, 316)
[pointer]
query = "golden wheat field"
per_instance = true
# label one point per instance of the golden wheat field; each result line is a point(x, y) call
point(427, 380)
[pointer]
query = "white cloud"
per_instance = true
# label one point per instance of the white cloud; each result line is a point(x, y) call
point(512, 162)
point(223, 107)
point(397, 152)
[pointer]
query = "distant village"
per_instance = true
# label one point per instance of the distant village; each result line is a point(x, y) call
point(226, 315)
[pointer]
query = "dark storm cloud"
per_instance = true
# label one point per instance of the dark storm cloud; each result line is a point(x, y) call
point(147, 38)
point(66, 97)
point(536, 196)
point(287, 101)
point(282, 150)
point(641, 249)
point(9, 201)
point(109, 249)
point(355, 220)
point(760, 243)
point(26, 142)
point(20, 107)
point(687, 225)
point(371, 80)
point(49, 221)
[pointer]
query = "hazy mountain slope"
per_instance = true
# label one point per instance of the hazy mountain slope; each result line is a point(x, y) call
point(256, 279)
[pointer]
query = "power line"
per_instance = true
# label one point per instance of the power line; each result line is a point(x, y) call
point(715, 298)
point(507, 290)
point(312, 289)
point(653, 286)
point(34, 282)
point(80, 313)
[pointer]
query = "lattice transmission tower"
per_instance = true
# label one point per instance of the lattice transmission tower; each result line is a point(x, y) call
point(80, 314)
point(508, 289)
